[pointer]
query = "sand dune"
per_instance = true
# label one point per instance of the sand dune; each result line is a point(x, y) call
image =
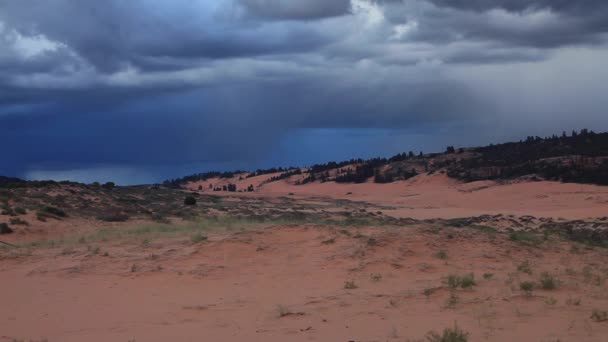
point(438, 196)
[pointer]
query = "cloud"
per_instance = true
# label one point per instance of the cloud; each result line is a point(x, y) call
point(146, 84)
point(296, 9)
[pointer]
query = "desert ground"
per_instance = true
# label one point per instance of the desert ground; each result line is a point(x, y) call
point(497, 261)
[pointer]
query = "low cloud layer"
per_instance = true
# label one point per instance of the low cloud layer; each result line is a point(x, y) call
point(173, 87)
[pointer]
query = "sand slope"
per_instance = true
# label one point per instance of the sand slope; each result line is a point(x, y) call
point(284, 283)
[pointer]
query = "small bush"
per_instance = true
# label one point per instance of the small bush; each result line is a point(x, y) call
point(113, 217)
point(464, 281)
point(54, 211)
point(20, 211)
point(467, 281)
point(189, 200)
point(547, 281)
point(449, 335)
point(550, 301)
point(109, 185)
point(17, 220)
point(442, 254)
point(5, 229)
point(350, 285)
point(527, 287)
point(8, 212)
point(599, 315)
point(375, 277)
point(488, 276)
point(428, 292)
point(451, 301)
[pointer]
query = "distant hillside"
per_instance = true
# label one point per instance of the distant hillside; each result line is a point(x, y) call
point(580, 157)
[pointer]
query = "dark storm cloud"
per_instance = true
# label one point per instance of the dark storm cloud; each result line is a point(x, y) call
point(540, 24)
point(111, 34)
point(569, 6)
point(146, 84)
point(297, 9)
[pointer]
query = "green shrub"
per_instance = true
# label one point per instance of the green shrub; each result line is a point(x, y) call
point(527, 287)
point(20, 211)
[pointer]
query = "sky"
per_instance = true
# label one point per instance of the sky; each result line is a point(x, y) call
point(140, 91)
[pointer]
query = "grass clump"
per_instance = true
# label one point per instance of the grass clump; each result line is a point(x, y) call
point(463, 281)
point(548, 281)
point(525, 267)
point(442, 255)
point(350, 285)
point(454, 334)
point(488, 276)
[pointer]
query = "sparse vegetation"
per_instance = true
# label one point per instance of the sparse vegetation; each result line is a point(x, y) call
point(548, 281)
point(454, 334)
point(525, 237)
point(488, 276)
point(198, 237)
point(442, 254)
